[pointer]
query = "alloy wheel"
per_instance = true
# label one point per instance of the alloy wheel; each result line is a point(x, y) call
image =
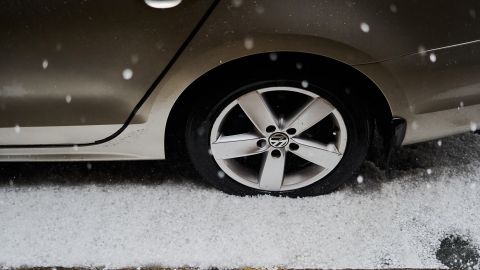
point(262, 141)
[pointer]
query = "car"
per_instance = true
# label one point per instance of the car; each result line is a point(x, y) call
point(276, 97)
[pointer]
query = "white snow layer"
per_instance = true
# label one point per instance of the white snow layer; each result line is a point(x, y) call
point(377, 223)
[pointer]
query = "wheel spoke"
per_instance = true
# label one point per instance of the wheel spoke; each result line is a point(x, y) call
point(325, 156)
point(257, 111)
point(272, 171)
point(314, 112)
point(240, 145)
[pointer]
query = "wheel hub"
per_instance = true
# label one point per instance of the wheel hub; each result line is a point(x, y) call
point(278, 140)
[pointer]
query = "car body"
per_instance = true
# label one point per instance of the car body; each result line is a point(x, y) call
point(96, 80)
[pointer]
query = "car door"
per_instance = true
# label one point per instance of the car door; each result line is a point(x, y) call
point(73, 71)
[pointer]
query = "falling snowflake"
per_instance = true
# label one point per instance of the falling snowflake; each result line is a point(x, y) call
point(259, 9)
point(127, 74)
point(472, 13)
point(360, 179)
point(365, 27)
point(45, 64)
point(237, 3)
point(273, 56)
point(17, 128)
point(393, 8)
point(429, 171)
point(439, 143)
point(248, 43)
point(422, 50)
point(305, 84)
point(134, 58)
point(433, 58)
point(414, 125)
point(473, 126)
point(68, 98)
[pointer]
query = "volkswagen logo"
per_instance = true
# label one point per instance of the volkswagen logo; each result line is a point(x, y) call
point(278, 140)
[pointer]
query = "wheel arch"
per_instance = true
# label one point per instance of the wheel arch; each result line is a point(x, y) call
point(176, 121)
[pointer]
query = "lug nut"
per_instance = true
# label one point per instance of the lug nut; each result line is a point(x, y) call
point(261, 143)
point(276, 153)
point(294, 146)
point(291, 131)
point(271, 129)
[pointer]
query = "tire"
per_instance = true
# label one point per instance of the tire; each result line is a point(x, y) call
point(219, 114)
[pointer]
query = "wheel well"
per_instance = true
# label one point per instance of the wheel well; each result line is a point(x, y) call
point(309, 65)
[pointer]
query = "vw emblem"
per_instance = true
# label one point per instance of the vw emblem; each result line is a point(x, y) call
point(278, 140)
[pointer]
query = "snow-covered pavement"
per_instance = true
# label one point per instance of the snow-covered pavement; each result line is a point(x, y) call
point(112, 214)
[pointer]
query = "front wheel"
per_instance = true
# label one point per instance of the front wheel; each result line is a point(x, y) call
point(278, 137)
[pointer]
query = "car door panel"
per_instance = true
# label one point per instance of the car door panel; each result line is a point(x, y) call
point(83, 63)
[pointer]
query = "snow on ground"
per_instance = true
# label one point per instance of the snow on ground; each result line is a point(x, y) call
point(112, 214)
